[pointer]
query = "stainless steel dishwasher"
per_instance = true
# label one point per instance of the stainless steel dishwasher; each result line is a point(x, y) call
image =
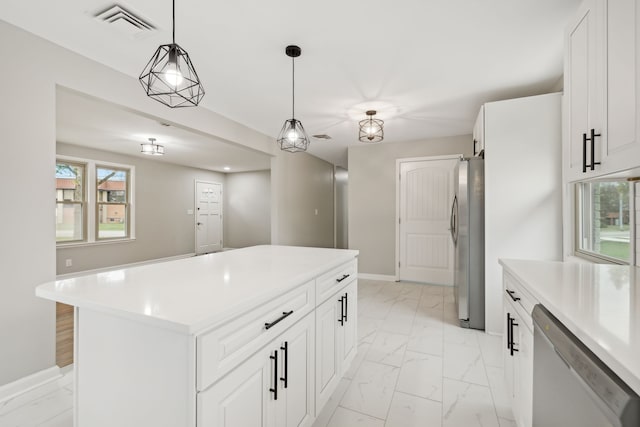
point(571, 386)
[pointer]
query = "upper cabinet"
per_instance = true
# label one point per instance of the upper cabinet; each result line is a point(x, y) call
point(601, 90)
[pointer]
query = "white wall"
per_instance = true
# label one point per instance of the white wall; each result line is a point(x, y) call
point(247, 203)
point(163, 194)
point(300, 185)
point(27, 129)
point(637, 221)
point(372, 195)
point(342, 208)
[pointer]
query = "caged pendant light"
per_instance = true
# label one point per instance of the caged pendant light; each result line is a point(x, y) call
point(293, 137)
point(170, 78)
point(151, 148)
point(371, 130)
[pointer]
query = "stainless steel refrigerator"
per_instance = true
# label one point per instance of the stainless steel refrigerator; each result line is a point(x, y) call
point(467, 232)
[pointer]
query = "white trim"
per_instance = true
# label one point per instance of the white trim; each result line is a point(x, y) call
point(398, 164)
point(118, 267)
point(25, 384)
point(383, 277)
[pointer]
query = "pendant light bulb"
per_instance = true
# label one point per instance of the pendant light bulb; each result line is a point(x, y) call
point(292, 135)
point(172, 74)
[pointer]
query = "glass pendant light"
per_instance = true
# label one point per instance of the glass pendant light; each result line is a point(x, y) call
point(151, 148)
point(371, 130)
point(170, 77)
point(293, 137)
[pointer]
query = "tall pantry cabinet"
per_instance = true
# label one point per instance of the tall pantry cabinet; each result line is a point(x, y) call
point(522, 143)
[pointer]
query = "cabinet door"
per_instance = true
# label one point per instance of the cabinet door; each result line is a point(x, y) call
point(622, 149)
point(242, 398)
point(584, 89)
point(327, 374)
point(507, 357)
point(524, 367)
point(297, 368)
point(347, 330)
point(478, 133)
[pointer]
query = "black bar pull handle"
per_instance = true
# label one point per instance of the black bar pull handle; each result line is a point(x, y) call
point(344, 276)
point(584, 153)
point(285, 314)
point(285, 349)
point(513, 323)
point(341, 319)
point(593, 149)
point(510, 293)
point(274, 390)
point(508, 331)
point(346, 307)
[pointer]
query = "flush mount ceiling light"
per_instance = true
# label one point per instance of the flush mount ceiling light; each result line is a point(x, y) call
point(170, 77)
point(293, 137)
point(151, 148)
point(371, 130)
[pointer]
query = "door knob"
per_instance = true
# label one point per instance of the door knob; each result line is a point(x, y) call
point(199, 223)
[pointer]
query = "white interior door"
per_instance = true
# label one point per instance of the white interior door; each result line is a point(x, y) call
point(208, 217)
point(425, 246)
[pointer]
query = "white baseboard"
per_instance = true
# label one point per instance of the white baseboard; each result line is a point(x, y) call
point(28, 383)
point(383, 277)
point(117, 267)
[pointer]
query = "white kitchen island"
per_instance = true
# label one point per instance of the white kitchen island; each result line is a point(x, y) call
point(251, 337)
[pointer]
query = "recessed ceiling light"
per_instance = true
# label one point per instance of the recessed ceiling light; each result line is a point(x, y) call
point(227, 168)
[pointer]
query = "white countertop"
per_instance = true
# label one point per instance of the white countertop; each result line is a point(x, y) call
point(193, 293)
point(598, 303)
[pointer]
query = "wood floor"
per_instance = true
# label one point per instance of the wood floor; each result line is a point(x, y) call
point(64, 334)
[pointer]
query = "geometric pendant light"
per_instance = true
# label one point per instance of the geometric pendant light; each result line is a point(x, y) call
point(151, 148)
point(371, 130)
point(292, 136)
point(170, 78)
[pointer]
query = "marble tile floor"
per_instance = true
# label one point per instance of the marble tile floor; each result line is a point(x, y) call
point(415, 367)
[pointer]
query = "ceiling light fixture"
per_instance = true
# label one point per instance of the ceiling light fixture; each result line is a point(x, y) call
point(292, 136)
point(371, 130)
point(170, 77)
point(151, 148)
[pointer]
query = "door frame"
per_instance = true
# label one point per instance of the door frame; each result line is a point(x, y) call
point(399, 163)
point(195, 212)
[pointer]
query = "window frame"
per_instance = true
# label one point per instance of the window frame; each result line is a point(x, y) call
point(579, 222)
point(98, 203)
point(91, 195)
point(83, 204)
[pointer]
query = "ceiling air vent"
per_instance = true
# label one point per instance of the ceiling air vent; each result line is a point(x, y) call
point(322, 136)
point(124, 21)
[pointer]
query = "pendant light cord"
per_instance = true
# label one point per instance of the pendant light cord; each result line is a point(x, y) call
point(293, 88)
point(174, 22)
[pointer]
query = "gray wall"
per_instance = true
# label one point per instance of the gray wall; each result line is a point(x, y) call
point(247, 202)
point(372, 195)
point(28, 132)
point(163, 193)
point(300, 184)
point(342, 208)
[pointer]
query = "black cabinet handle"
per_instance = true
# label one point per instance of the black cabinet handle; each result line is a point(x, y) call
point(508, 331)
point(341, 319)
point(285, 314)
point(346, 307)
point(274, 390)
point(584, 152)
point(344, 276)
point(475, 141)
point(285, 349)
point(513, 323)
point(510, 293)
point(593, 149)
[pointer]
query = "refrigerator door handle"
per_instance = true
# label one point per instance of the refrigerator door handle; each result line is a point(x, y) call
point(453, 220)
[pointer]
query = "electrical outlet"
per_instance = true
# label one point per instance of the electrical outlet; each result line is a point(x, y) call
point(68, 262)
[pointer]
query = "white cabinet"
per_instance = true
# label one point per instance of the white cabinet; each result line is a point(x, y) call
point(336, 325)
point(518, 350)
point(601, 90)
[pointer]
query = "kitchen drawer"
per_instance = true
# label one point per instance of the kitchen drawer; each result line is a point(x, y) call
point(225, 347)
point(523, 301)
point(331, 282)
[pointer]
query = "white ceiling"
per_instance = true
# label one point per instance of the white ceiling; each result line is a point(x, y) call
point(426, 65)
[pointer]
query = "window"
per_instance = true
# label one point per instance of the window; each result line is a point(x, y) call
point(98, 212)
point(70, 201)
point(604, 220)
point(112, 202)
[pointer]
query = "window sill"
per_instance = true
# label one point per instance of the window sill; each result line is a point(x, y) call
point(584, 257)
point(98, 243)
